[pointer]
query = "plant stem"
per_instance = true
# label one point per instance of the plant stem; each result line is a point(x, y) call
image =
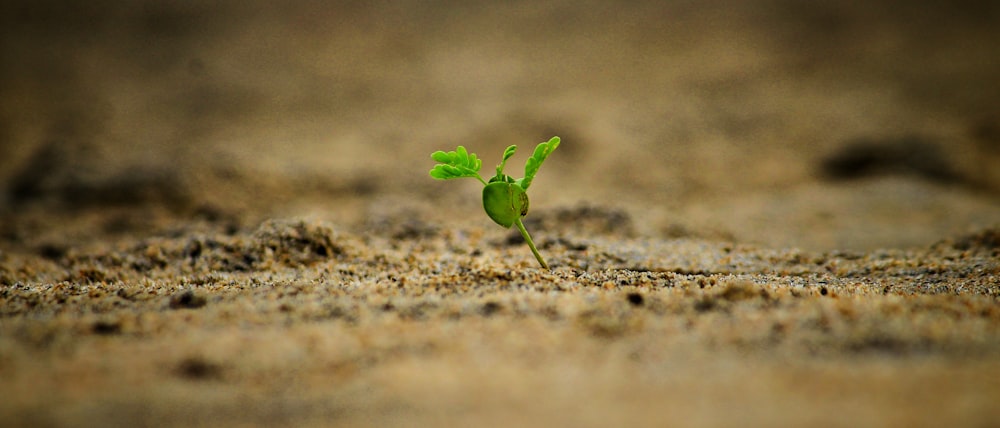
point(527, 238)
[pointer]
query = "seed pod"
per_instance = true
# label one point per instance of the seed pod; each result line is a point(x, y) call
point(505, 202)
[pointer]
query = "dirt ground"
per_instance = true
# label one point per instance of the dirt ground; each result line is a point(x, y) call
point(763, 213)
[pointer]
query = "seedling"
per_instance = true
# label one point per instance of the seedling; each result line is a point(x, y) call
point(504, 198)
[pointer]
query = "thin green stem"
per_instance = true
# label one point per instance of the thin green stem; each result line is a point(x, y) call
point(531, 244)
point(480, 178)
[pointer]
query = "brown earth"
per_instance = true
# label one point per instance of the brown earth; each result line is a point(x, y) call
point(762, 213)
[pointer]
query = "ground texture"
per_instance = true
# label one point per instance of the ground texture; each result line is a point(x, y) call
point(762, 213)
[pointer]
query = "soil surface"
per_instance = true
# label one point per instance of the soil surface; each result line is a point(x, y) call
point(762, 213)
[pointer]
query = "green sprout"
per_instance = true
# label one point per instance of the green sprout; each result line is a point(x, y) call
point(504, 198)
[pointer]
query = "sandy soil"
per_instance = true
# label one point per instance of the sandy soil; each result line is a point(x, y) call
point(762, 213)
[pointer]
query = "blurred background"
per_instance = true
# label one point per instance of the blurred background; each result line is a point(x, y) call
point(820, 125)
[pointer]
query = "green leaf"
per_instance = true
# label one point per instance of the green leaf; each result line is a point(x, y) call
point(508, 152)
point(500, 176)
point(441, 156)
point(542, 151)
point(456, 164)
